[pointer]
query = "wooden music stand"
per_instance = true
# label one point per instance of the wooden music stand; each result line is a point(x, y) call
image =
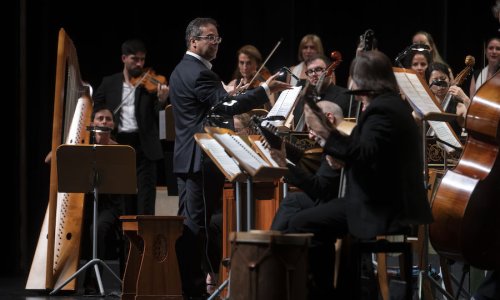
point(108, 169)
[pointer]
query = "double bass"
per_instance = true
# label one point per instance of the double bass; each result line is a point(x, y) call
point(466, 208)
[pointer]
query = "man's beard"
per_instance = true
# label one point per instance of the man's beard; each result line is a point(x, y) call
point(135, 72)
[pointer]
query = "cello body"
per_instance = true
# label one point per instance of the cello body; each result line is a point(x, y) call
point(466, 208)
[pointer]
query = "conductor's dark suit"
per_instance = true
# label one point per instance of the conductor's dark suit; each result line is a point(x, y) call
point(146, 141)
point(194, 90)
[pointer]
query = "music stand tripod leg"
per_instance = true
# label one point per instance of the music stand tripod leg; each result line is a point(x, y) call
point(220, 288)
point(95, 261)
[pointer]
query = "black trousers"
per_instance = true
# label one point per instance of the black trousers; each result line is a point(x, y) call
point(199, 194)
point(144, 202)
point(289, 207)
point(327, 222)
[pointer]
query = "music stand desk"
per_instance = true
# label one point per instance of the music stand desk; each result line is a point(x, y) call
point(108, 169)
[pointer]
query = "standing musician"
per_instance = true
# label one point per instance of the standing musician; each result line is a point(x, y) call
point(136, 109)
point(195, 91)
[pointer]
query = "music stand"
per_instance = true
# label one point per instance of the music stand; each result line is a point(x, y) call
point(424, 274)
point(108, 169)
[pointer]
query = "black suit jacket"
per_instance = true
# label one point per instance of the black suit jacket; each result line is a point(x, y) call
point(383, 156)
point(147, 108)
point(321, 186)
point(194, 89)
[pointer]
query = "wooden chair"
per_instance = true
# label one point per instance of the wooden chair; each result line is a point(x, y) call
point(381, 245)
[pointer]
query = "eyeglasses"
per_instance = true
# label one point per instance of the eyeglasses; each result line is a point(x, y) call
point(211, 38)
point(317, 70)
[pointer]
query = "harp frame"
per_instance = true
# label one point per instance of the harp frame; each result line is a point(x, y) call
point(58, 250)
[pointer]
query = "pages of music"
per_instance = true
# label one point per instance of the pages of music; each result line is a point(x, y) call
point(248, 160)
point(216, 152)
point(241, 151)
point(423, 102)
point(283, 107)
point(261, 149)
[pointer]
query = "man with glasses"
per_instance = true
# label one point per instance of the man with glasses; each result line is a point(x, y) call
point(315, 67)
point(195, 91)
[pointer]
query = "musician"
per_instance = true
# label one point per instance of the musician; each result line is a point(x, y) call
point(109, 236)
point(418, 60)
point(383, 148)
point(137, 111)
point(195, 90)
point(309, 45)
point(315, 66)
point(493, 65)
point(249, 62)
point(316, 188)
point(425, 38)
point(438, 76)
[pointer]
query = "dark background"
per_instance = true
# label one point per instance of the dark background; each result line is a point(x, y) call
point(98, 28)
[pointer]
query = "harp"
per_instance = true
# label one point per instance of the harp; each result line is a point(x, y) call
point(58, 249)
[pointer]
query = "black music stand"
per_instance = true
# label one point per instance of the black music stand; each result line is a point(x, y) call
point(424, 274)
point(108, 169)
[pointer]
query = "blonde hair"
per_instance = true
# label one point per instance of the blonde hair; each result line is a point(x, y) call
point(316, 40)
point(434, 51)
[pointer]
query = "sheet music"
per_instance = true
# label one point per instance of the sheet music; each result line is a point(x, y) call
point(422, 103)
point(284, 105)
point(219, 154)
point(265, 151)
point(241, 150)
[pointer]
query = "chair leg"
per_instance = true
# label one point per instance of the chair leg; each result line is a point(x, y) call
point(383, 281)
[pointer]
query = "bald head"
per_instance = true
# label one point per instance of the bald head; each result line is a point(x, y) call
point(332, 111)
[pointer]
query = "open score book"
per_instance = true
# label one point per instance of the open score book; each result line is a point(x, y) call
point(424, 103)
point(232, 152)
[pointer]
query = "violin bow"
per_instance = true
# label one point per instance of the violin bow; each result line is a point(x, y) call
point(265, 61)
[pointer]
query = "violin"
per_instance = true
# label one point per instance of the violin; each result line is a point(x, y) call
point(149, 80)
point(262, 76)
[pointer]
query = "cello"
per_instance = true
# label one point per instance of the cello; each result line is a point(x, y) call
point(466, 208)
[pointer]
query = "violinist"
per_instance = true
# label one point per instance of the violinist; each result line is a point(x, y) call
point(249, 62)
point(136, 111)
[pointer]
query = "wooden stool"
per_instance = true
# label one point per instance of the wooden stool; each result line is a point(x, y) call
point(152, 271)
point(381, 245)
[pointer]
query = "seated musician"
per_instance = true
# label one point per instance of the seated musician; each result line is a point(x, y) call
point(109, 236)
point(439, 78)
point(249, 62)
point(315, 67)
point(316, 188)
point(383, 148)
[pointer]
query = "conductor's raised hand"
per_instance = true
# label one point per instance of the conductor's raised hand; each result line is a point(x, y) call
point(276, 85)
